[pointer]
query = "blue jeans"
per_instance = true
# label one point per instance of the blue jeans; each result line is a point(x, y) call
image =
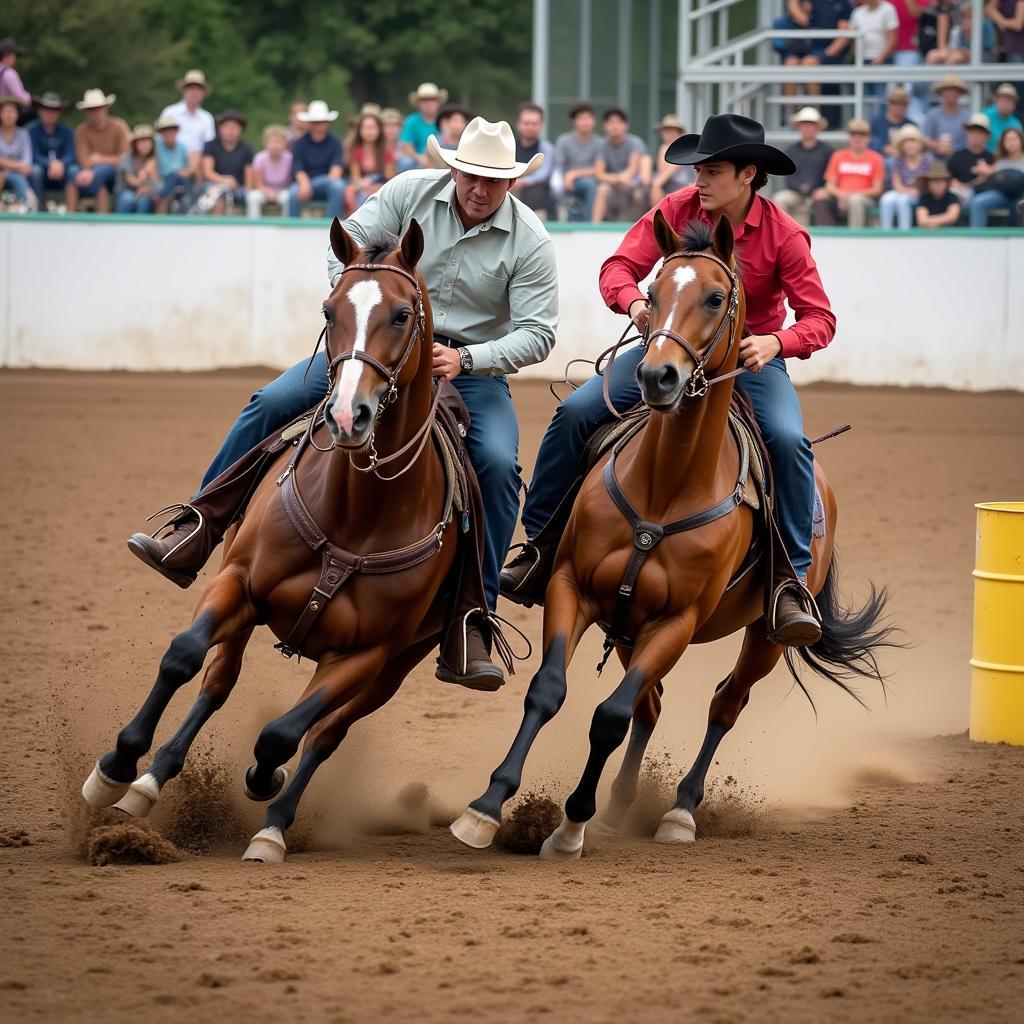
point(324, 188)
point(778, 413)
point(103, 176)
point(41, 181)
point(17, 183)
point(982, 203)
point(129, 201)
point(583, 192)
point(896, 209)
point(493, 444)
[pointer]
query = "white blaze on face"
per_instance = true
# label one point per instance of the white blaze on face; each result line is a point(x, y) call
point(364, 296)
point(682, 277)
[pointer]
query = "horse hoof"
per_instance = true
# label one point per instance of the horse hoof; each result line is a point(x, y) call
point(266, 847)
point(474, 829)
point(141, 797)
point(677, 826)
point(101, 791)
point(280, 777)
point(566, 842)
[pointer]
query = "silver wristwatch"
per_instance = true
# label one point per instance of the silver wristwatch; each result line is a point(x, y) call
point(465, 359)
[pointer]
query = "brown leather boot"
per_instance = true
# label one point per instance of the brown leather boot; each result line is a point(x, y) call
point(795, 621)
point(181, 552)
point(466, 656)
point(525, 579)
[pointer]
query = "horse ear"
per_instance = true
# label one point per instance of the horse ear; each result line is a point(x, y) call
point(341, 242)
point(725, 241)
point(668, 241)
point(412, 245)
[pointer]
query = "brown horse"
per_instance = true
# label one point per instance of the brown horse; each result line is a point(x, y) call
point(385, 615)
point(681, 469)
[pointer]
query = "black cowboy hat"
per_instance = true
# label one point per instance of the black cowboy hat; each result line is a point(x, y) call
point(730, 137)
point(231, 115)
point(8, 45)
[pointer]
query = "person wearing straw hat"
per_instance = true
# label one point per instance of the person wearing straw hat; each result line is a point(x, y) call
point(318, 163)
point(733, 163)
point(668, 177)
point(1001, 114)
point(965, 164)
point(392, 120)
point(138, 183)
point(196, 126)
point(421, 124)
point(896, 206)
point(173, 166)
point(53, 147)
point(100, 142)
point(938, 206)
point(854, 179)
point(944, 125)
point(811, 157)
point(489, 267)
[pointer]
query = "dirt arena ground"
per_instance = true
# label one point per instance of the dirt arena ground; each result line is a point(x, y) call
point(861, 866)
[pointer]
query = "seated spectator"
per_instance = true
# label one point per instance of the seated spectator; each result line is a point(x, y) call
point(943, 126)
point(960, 39)
point(451, 123)
point(533, 189)
point(15, 156)
point(296, 127)
point(1002, 181)
point(669, 177)
point(100, 142)
point(896, 207)
point(886, 123)
point(173, 167)
point(422, 122)
point(963, 164)
point(879, 23)
point(53, 148)
point(811, 157)
point(938, 206)
point(271, 172)
point(370, 162)
point(576, 156)
point(1008, 17)
point(227, 167)
point(318, 163)
point(1001, 114)
point(623, 181)
point(195, 124)
point(853, 180)
point(392, 120)
point(138, 183)
point(10, 81)
point(934, 31)
point(826, 14)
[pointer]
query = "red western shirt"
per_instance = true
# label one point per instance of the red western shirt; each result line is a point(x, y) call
point(775, 262)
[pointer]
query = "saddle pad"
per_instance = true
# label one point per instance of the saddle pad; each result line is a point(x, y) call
point(754, 483)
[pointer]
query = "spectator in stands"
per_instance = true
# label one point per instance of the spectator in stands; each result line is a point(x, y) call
point(422, 122)
point(896, 207)
point(1001, 114)
point(174, 167)
point(15, 156)
point(271, 172)
point(53, 148)
point(960, 39)
point(296, 128)
point(451, 123)
point(1002, 181)
point(811, 157)
point(623, 177)
point(853, 180)
point(908, 54)
point(827, 14)
point(393, 121)
point(195, 124)
point(943, 126)
point(100, 142)
point(934, 30)
point(576, 156)
point(669, 177)
point(938, 206)
point(10, 81)
point(886, 123)
point(370, 162)
point(138, 183)
point(318, 163)
point(963, 164)
point(227, 167)
point(533, 189)
point(1008, 17)
point(879, 23)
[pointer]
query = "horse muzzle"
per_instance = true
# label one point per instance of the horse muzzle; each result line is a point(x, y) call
point(350, 424)
point(661, 385)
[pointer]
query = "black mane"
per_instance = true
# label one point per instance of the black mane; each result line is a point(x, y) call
point(698, 236)
point(379, 246)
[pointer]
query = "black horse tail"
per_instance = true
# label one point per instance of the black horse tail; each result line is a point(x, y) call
point(850, 639)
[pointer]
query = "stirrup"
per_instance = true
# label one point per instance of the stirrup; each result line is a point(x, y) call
point(179, 511)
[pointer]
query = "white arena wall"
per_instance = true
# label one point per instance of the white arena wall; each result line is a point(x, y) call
point(942, 310)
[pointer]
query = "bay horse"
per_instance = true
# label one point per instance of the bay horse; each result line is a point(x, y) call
point(681, 470)
point(370, 618)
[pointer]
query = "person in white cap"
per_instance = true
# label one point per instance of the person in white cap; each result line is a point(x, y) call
point(100, 142)
point(196, 126)
point(421, 124)
point(318, 163)
point(489, 267)
point(811, 157)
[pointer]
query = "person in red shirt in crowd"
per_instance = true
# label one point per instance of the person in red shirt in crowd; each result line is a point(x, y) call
point(853, 180)
point(733, 163)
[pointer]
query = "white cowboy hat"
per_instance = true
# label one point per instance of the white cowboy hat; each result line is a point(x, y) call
point(94, 98)
point(317, 111)
point(487, 149)
point(195, 77)
point(809, 115)
point(428, 91)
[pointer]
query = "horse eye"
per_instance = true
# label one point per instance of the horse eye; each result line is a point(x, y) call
point(402, 318)
point(715, 301)
point(327, 314)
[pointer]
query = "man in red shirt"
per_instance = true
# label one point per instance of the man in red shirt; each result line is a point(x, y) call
point(853, 180)
point(732, 163)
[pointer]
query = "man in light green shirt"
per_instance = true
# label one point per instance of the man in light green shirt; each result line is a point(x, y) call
point(489, 266)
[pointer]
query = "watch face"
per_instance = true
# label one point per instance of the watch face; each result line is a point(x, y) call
point(466, 359)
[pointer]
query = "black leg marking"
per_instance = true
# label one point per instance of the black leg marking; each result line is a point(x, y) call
point(544, 697)
point(170, 758)
point(691, 790)
point(625, 785)
point(278, 742)
point(281, 813)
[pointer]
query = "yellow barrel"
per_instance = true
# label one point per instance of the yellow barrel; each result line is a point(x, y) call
point(997, 683)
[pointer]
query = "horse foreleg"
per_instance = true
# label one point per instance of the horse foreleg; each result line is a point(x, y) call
point(565, 621)
point(220, 678)
point(222, 612)
point(758, 657)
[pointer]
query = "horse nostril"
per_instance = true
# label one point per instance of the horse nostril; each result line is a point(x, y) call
point(362, 417)
point(669, 378)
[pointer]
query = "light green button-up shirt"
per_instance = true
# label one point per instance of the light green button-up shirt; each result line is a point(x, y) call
point(493, 288)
